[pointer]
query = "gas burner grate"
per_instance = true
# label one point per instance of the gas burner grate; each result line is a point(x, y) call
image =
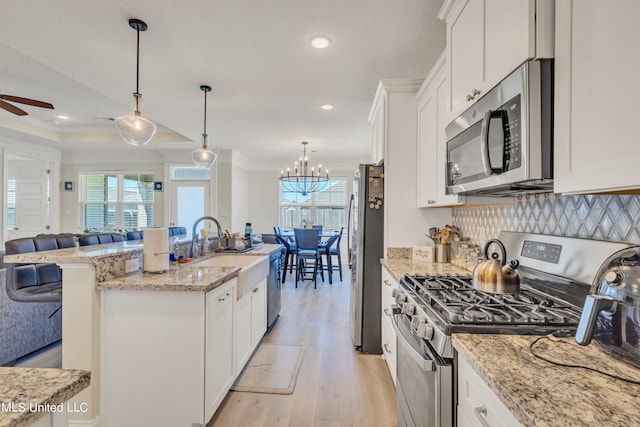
point(459, 302)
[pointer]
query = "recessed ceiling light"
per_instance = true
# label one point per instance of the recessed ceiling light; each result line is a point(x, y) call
point(320, 41)
point(62, 117)
point(327, 106)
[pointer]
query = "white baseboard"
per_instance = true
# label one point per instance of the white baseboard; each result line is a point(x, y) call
point(96, 422)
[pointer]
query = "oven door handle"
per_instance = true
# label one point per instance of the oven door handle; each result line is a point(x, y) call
point(427, 365)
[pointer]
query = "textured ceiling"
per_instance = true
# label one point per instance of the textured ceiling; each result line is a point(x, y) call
point(268, 83)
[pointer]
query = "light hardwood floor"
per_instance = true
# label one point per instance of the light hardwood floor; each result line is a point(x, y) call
point(336, 386)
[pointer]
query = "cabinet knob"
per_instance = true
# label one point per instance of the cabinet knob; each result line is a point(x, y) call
point(475, 92)
point(386, 311)
point(431, 202)
point(386, 282)
point(387, 348)
point(469, 98)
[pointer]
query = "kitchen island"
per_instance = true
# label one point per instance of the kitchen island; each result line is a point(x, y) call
point(170, 332)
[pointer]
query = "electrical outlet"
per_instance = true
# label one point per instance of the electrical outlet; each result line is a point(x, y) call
point(132, 265)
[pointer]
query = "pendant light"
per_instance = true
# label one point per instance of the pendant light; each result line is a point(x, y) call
point(133, 128)
point(203, 157)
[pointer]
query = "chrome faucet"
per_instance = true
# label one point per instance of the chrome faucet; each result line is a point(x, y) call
point(194, 241)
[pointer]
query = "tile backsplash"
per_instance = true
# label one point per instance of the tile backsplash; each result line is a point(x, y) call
point(599, 217)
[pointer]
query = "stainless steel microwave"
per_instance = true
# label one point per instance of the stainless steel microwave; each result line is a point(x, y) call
point(503, 144)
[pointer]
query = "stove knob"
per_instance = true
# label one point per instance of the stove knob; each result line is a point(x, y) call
point(425, 331)
point(408, 308)
point(401, 297)
point(614, 278)
point(416, 321)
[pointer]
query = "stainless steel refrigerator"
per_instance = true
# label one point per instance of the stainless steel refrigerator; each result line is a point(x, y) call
point(366, 248)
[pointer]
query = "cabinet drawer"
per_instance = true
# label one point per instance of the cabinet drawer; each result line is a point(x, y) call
point(387, 287)
point(389, 347)
point(480, 405)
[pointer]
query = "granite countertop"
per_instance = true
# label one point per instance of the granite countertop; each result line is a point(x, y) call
point(539, 393)
point(181, 277)
point(27, 394)
point(79, 255)
point(398, 267)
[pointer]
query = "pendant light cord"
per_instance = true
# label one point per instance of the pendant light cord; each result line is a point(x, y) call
point(205, 112)
point(137, 64)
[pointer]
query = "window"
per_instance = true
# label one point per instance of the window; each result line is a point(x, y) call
point(326, 207)
point(11, 202)
point(115, 200)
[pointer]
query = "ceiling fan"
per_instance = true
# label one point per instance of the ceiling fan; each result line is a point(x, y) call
point(27, 101)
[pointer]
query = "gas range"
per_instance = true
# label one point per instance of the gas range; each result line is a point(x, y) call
point(555, 278)
point(436, 306)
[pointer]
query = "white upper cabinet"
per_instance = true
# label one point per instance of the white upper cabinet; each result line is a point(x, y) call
point(596, 90)
point(487, 39)
point(432, 99)
point(378, 126)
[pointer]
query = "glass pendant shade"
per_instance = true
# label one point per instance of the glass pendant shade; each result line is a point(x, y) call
point(133, 128)
point(203, 157)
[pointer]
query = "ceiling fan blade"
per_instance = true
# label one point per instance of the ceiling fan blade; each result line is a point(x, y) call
point(27, 101)
point(12, 108)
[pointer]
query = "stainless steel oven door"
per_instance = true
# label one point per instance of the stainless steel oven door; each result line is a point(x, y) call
point(424, 381)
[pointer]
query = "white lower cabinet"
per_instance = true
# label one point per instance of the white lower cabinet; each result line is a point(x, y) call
point(478, 405)
point(166, 357)
point(388, 334)
point(250, 323)
point(219, 372)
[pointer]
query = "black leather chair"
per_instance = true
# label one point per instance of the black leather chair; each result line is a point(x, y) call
point(135, 235)
point(33, 282)
point(88, 240)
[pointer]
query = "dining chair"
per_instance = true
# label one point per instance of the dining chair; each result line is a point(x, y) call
point(317, 227)
point(325, 250)
point(291, 250)
point(335, 251)
point(307, 243)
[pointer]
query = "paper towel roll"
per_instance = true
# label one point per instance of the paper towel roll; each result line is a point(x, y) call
point(156, 250)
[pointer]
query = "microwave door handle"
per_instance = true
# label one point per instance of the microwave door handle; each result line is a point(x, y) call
point(484, 135)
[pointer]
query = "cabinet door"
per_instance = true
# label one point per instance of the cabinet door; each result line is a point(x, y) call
point(509, 37)
point(427, 149)
point(258, 313)
point(466, 52)
point(242, 329)
point(432, 150)
point(481, 406)
point(596, 70)
point(378, 132)
point(219, 363)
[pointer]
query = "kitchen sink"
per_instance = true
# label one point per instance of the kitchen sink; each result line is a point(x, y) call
point(253, 269)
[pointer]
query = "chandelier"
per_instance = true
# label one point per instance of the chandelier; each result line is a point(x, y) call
point(302, 180)
point(133, 128)
point(203, 157)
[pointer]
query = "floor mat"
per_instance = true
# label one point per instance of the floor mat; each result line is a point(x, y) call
point(272, 369)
